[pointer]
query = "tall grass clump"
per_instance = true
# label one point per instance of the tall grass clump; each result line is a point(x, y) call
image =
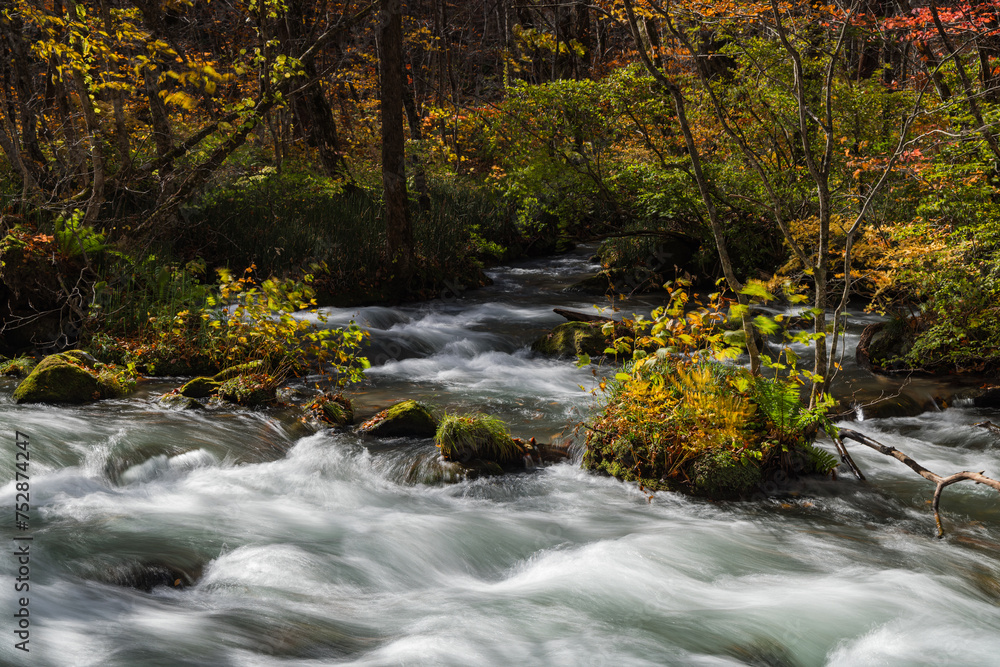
point(470, 437)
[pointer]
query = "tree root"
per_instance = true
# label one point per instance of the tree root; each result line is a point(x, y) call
point(939, 481)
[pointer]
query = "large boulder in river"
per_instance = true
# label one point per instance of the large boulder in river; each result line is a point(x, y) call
point(70, 377)
point(571, 339)
point(410, 419)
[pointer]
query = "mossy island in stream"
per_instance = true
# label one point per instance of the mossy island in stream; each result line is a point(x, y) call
point(704, 428)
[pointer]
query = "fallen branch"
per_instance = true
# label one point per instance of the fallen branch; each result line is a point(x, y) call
point(939, 481)
point(577, 316)
point(989, 426)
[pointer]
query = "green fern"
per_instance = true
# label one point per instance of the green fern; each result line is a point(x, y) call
point(820, 460)
point(780, 402)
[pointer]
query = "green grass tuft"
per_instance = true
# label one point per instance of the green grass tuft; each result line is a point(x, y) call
point(476, 436)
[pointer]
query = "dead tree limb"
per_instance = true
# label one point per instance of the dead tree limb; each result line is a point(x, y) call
point(989, 426)
point(577, 316)
point(939, 481)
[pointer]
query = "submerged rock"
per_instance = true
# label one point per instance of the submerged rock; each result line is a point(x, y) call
point(334, 410)
point(410, 419)
point(571, 339)
point(146, 575)
point(70, 377)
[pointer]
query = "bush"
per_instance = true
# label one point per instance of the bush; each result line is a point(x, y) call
point(680, 419)
point(241, 323)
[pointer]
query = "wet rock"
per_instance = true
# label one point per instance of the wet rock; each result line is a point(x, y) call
point(335, 410)
point(903, 405)
point(200, 387)
point(571, 339)
point(145, 576)
point(180, 402)
point(69, 377)
point(989, 398)
point(410, 419)
point(599, 284)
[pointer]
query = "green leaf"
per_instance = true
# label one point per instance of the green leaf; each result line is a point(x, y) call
point(757, 291)
point(766, 324)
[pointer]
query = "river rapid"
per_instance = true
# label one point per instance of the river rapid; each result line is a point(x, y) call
point(305, 548)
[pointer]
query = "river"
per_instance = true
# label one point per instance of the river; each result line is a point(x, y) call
point(322, 548)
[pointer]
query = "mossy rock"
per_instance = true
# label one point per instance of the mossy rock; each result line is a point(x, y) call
point(571, 339)
point(410, 419)
point(250, 391)
point(18, 367)
point(180, 402)
point(718, 475)
point(477, 438)
point(334, 410)
point(69, 377)
point(201, 387)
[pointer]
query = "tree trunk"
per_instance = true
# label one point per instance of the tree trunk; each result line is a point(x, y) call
point(399, 235)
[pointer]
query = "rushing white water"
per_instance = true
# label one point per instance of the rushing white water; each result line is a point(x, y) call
point(316, 549)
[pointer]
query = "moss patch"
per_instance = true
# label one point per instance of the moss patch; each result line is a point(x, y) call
point(718, 474)
point(200, 387)
point(253, 390)
point(410, 419)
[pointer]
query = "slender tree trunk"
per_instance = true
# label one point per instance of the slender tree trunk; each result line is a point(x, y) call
point(399, 234)
point(417, 135)
point(701, 180)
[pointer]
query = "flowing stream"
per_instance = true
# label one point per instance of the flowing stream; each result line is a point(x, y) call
point(304, 548)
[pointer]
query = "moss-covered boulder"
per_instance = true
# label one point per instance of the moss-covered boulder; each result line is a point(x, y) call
point(18, 367)
point(571, 339)
point(477, 439)
point(335, 410)
point(176, 401)
point(410, 419)
point(250, 390)
point(200, 387)
point(72, 377)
